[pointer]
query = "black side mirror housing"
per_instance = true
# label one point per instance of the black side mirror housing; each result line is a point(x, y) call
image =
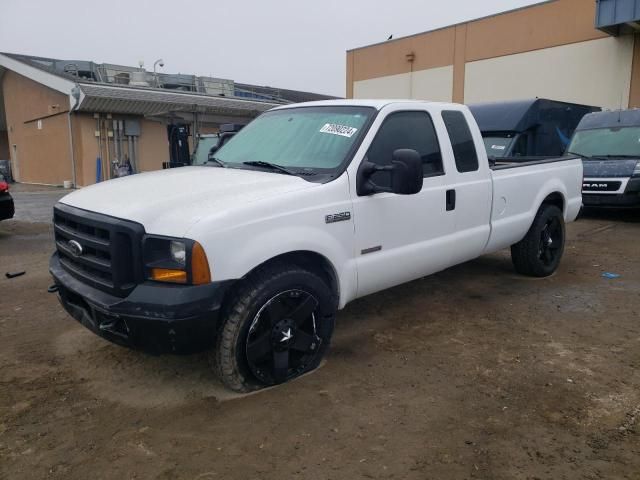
point(406, 174)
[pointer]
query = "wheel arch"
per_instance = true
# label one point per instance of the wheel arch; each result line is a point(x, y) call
point(555, 198)
point(309, 260)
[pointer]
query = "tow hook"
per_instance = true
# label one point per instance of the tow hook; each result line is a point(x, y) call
point(53, 288)
point(116, 327)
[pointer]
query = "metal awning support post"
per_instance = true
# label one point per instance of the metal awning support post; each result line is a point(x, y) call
point(75, 93)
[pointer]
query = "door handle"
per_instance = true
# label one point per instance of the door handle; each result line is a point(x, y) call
point(451, 200)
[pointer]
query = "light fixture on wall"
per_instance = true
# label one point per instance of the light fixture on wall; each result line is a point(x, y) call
point(410, 57)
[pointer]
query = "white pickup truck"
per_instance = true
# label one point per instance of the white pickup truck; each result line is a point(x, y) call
point(306, 209)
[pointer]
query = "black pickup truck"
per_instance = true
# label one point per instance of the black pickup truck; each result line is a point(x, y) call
point(609, 144)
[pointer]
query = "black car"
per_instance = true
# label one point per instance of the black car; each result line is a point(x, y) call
point(6, 201)
point(609, 144)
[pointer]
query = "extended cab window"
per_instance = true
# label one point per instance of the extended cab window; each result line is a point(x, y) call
point(464, 149)
point(412, 130)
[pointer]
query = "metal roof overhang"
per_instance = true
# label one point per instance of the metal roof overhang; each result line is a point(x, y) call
point(141, 101)
point(617, 17)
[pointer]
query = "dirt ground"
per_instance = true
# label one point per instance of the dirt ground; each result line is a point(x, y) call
point(475, 372)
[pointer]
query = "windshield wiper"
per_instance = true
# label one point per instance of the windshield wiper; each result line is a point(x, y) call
point(272, 166)
point(635, 157)
point(606, 157)
point(216, 160)
point(578, 154)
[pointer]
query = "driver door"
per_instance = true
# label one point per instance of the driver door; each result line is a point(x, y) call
point(399, 238)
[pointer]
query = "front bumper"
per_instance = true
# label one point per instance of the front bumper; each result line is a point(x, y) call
point(7, 208)
point(630, 198)
point(154, 317)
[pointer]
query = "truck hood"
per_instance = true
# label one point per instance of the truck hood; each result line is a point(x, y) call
point(609, 168)
point(169, 202)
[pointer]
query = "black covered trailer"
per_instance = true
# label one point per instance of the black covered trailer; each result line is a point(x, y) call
point(528, 128)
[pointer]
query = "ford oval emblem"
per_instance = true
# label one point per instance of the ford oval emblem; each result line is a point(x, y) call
point(75, 248)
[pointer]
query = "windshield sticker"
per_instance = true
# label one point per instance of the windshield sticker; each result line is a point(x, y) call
point(341, 130)
point(498, 147)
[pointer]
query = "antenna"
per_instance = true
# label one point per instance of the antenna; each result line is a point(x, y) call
point(622, 89)
point(620, 109)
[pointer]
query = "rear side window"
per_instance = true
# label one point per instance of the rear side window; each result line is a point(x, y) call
point(464, 149)
point(412, 130)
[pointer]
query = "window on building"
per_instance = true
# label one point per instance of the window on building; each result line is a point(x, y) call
point(412, 130)
point(464, 149)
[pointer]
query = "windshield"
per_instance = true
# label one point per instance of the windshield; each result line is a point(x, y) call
point(618, 141)
point(497, 146)
point(201, 154)
point(311, 139)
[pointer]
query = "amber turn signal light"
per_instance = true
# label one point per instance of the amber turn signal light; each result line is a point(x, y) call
point(168, 275)
point(200, 273)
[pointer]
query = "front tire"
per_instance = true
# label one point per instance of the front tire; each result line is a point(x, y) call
point(538, 254)
point(277, 326)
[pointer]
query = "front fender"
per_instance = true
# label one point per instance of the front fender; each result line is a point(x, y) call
point(270, 244)
point(237, 242)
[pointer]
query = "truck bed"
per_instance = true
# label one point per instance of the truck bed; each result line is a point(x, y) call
point(515, 162)
point(520, 185)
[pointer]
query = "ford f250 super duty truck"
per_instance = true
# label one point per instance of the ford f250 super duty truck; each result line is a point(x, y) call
point(309, 207)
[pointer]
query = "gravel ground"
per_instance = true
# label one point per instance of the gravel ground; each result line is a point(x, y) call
point(475, 372)
point(34, 202)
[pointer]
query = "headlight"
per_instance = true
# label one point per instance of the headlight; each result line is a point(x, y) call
point(178, 251)
point(636, 171)
point(175, 261)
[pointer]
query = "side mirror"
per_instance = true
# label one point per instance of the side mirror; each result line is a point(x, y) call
point(406, 174)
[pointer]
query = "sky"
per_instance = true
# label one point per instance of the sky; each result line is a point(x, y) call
point(295, 44)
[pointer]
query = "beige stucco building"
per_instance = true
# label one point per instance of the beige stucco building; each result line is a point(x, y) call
point(57, 117)
point(551, 50)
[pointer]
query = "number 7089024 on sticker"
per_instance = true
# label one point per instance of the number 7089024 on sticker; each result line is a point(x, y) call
point(341, 130)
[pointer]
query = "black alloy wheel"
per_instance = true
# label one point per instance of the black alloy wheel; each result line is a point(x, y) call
point(539, 253)
point(277, 325)
point(550, 241)
point(283, 339)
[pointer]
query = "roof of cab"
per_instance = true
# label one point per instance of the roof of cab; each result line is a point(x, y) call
point(610, 119)
point(377, 104)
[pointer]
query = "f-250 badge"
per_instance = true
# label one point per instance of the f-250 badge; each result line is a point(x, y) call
point(338, 217)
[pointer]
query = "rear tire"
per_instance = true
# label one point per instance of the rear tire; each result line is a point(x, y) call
point(538, 254)
point(277, 326)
